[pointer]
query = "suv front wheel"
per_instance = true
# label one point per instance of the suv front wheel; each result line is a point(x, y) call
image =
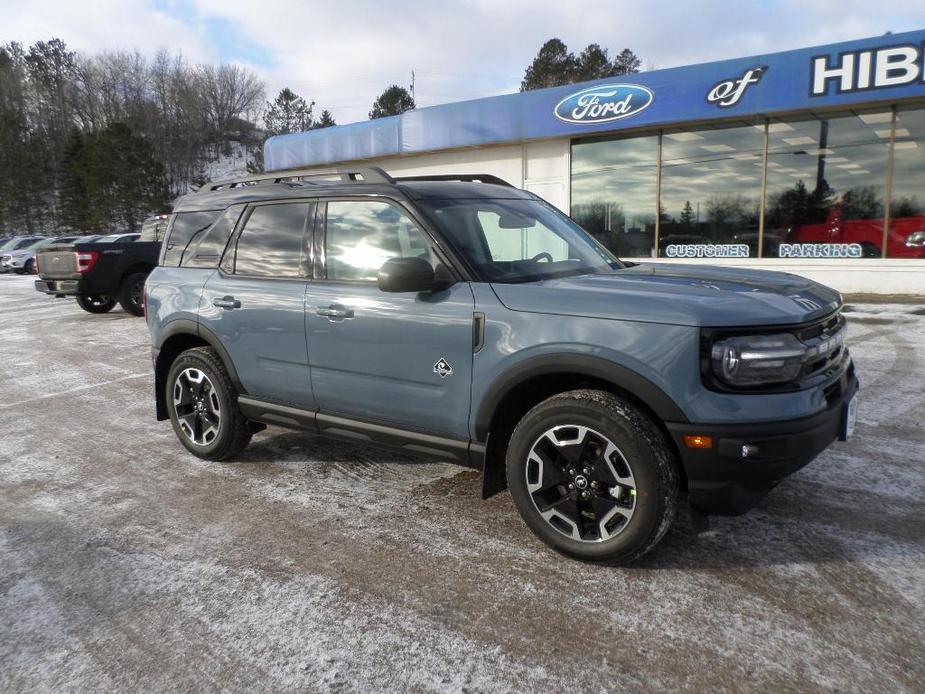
point(592, 476)
point(203, 406)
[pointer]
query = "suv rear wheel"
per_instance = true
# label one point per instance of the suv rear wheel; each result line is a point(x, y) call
point(96, 303)
point(130, 293)
point(592, 476)
point(203, 406)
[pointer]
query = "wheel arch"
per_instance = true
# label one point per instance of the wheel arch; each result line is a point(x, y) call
point(132, 269)
point(518, 390)
point(177, 337)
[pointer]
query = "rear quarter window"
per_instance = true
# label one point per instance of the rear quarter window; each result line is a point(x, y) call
point(206, 247)
point(183, 227)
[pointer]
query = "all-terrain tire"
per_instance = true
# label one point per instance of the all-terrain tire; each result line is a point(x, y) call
point(234, 431)
point(130, 293)
point(601, 418)
point(96, 303)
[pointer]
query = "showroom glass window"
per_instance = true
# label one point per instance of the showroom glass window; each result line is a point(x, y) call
point(711, 186)
point(907, 201)
point(614, 192)
point(271, 244)
point(826, 179)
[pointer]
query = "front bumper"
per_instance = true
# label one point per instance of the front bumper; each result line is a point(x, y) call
point(721, 481)
point(60, 287)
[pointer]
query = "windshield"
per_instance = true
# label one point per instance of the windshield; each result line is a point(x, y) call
point(519, 240)
point(52, 242)
point(30, 243)
point(18, 243)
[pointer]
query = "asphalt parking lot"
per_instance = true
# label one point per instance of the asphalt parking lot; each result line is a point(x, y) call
point(126, 563)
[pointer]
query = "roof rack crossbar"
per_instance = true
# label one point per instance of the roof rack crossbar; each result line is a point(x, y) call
point(365, 174)
point(467, 178)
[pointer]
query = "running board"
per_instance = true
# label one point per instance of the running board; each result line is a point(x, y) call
point(457, 451)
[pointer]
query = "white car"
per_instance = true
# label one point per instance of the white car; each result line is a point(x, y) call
point(21, 258)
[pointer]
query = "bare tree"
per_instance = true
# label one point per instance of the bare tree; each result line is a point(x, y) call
point(229, 92)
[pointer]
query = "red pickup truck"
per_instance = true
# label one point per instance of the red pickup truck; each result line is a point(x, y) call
point(907, 234)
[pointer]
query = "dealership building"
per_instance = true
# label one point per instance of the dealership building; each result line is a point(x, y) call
point(810, 161)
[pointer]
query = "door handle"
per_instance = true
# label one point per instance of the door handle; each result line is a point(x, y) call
point(226, 302)
point(334, 312)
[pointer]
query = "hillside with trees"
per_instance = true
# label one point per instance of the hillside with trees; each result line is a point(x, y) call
point(96, 143)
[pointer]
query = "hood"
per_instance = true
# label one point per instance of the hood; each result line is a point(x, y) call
point(695, 295)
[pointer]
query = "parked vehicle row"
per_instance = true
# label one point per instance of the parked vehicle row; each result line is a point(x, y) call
point(18, 254)
point(103, 271)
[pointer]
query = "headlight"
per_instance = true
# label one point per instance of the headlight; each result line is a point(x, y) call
point(752, 360)
point(916, 238)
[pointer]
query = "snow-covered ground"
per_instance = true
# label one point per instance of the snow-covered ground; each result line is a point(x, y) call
point(126, 563)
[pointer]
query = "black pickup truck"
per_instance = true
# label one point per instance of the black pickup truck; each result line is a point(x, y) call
point(100, 273)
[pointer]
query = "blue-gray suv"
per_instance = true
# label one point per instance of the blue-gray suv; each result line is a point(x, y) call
point(461, 318)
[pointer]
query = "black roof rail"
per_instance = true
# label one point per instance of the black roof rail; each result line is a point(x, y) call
point(364, 174)
point(467, 178)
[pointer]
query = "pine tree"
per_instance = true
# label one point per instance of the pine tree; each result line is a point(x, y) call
point(553, 66)
point(391, 102)
point(325, 120)
point(289, 113)
point(110, 181)
point(593, 64)
point(687, 218)
point(626, 63)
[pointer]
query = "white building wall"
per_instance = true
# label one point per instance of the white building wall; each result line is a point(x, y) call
point(868, 277)
point(546, 171)
point(540, 167)
point(505, 162)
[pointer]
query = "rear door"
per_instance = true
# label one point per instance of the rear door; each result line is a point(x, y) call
point(399, 359)
point(255, 302)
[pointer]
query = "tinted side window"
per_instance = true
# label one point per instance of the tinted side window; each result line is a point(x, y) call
point(271, 244)
point(185, 225)
point(362, 234)
point(206, 247)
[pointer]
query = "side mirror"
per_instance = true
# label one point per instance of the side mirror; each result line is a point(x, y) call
point(407, 275)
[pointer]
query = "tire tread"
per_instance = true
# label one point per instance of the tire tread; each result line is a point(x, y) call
point(241, 430)
point(614, 407)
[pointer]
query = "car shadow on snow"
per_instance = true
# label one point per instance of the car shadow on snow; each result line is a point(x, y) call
point(799, 522)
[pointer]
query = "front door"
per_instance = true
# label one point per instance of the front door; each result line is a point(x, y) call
point(256, 303)
point(398, 359)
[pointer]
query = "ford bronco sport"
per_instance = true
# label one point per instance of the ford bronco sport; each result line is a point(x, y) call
point(459, 317)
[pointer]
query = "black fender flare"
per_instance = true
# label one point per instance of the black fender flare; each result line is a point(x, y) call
point(185, 326)
point(581, 365)
point(641, 388)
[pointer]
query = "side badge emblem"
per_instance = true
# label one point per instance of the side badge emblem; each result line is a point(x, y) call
point(443, 368)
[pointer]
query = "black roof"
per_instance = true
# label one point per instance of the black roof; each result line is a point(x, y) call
point(218, 196)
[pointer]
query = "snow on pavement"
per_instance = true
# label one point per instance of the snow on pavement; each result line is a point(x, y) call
point(310, 565)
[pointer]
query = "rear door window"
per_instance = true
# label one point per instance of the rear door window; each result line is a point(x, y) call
point(272, 243)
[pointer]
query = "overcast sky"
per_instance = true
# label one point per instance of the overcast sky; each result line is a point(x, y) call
point(342, 54)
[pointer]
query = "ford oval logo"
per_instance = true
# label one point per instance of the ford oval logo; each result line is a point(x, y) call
point(605, 103)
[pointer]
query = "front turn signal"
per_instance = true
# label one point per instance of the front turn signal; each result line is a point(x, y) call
point(697, 441)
